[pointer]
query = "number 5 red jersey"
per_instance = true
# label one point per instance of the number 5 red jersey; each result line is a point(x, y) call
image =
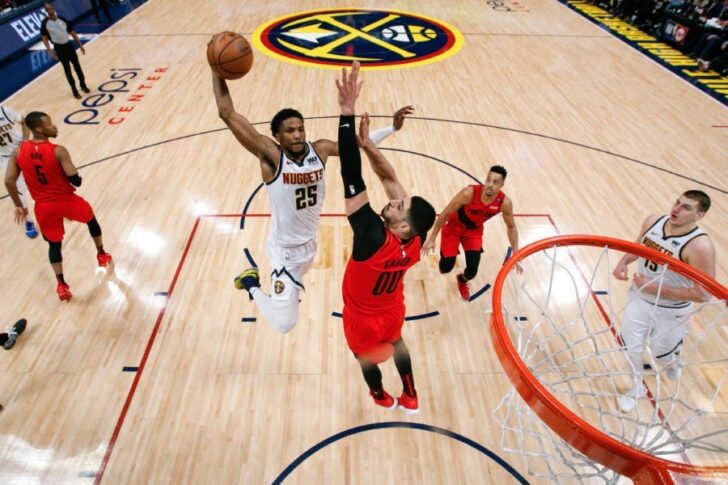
point(42, 171)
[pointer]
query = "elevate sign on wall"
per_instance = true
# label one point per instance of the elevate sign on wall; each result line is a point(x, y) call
point(18, 33)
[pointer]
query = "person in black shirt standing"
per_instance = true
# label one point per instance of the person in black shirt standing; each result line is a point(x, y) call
point(59, 31)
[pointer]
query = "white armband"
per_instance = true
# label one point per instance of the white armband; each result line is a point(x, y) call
point(380, 134)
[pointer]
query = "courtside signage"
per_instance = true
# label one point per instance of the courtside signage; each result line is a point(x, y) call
point(378, 39)
point(681, 64)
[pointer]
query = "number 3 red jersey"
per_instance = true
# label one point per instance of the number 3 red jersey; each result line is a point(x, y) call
point(376, 284)
point(42, 171)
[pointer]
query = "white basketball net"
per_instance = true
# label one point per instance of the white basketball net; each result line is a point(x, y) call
point(572, 348)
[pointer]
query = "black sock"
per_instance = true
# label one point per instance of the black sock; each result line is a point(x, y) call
point(461, 278)
point(100, 249)
point(373, 376)
point(59, 277)
point(403, 362)
point(408, 385)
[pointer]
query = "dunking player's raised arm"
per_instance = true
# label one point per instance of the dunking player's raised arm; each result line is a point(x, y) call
point(259, 145)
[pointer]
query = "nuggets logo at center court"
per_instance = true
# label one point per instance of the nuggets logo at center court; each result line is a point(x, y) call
point(378, 39)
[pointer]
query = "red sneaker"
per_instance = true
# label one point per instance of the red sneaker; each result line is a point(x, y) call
point(386, 402)
point(64, 293)
point(104, 260)
point(408, 404)
point(463, 288)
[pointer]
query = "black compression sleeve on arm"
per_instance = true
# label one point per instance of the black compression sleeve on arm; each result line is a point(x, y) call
point(350, 158)
point(75, 179)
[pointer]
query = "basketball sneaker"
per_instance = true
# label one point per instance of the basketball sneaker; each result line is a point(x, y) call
point(674, 368)
point(248, 279)
point(408, 404)
point(64, 292)
point(463, 288)
point(673, 372)
point(104, 260)
point(628, 400)
point(386, 402)
point(30, 230)
point(14, 333)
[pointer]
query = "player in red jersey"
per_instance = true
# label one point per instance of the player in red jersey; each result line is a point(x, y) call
point(51, 178)
point(463, 220)
point(383, 251)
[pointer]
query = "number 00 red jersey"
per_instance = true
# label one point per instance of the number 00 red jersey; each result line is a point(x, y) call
point(42, 171)
point(375, 285)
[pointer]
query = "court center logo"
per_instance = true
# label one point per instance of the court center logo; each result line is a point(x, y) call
point(378, 39)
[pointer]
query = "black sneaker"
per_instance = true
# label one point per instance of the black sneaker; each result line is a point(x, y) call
point(76, 95)
point(85, 89)
point(14, 333)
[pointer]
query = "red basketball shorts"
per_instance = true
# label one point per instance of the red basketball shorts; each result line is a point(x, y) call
point(454, 235)
point(371, 336)
point(50, 215)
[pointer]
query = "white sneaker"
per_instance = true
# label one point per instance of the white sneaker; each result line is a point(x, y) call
point(673, 371)
point(628, 400)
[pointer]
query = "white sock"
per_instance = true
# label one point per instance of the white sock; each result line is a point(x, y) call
point(280, 314)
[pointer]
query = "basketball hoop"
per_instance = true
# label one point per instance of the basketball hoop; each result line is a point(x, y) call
point(556, 332)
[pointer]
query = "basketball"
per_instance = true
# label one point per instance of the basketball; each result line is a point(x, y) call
point(229, 55)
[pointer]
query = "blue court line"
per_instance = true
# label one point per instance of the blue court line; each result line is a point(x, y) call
point(129, 369)
point(247, 205)
point(601, 292)
point(520, 319)
point(160, 293)
point(479, 292)
point(442, 120)
point(248, 319)
point(250, 258)
point(420, 317)
point(407, 319)
point(509, 253)
point(398, 424)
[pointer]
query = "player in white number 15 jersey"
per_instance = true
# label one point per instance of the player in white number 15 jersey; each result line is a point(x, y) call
point(293, 170)
point(12, 132)
point(659, 304)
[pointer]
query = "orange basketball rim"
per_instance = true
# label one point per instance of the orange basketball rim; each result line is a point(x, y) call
point(641, 467)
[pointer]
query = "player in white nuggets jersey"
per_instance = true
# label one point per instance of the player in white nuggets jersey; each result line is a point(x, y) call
point(293, 171)
point(12, 132)
point(659, 304)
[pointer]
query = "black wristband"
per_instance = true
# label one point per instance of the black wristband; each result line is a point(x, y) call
point(75, 179)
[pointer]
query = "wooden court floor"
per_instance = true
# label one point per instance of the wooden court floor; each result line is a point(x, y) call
point(156, 372)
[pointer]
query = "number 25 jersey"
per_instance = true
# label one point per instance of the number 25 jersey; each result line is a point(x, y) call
point(296, 196)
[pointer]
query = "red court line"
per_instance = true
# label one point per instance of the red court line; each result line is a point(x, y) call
point(155, 330)
point(143, 362)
